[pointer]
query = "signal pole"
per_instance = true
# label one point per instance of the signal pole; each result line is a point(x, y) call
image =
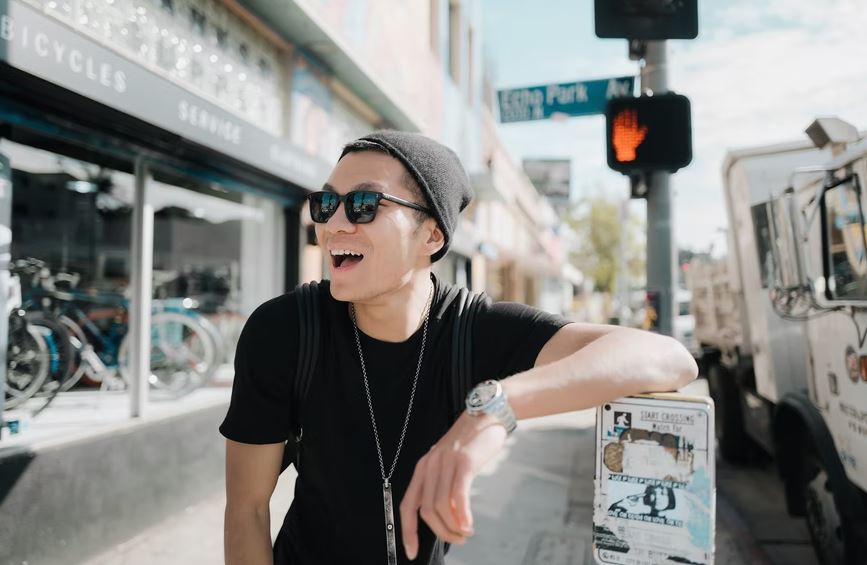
point(660, 242)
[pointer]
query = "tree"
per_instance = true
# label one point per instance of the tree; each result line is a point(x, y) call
point(598, 227)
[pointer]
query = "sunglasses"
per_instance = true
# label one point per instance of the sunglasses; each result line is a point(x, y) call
point(360, 205)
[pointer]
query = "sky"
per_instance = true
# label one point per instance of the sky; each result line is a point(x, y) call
point(758, 73)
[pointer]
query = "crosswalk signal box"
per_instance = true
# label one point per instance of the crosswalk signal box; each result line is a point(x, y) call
point(647, 19)
point(648, 133)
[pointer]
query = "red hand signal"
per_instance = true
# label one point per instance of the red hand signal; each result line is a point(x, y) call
point(627, 135)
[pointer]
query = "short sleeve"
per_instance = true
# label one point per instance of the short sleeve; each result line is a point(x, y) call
point(507, 338)
point(265, 365)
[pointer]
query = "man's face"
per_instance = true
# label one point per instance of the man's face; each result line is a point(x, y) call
point(393, 245)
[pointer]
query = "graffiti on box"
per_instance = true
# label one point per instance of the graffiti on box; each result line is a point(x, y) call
point(654, 498)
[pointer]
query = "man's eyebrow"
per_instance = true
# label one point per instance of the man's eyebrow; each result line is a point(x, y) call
point(363, 185)
point(369, 185)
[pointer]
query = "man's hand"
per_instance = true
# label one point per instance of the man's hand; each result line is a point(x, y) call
point(440, 487)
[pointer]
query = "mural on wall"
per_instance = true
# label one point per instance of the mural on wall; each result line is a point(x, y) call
point(321, 123)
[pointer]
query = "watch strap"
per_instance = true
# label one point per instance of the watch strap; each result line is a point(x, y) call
point(498, 407)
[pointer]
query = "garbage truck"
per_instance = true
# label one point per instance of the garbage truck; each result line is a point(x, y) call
point(781, 324)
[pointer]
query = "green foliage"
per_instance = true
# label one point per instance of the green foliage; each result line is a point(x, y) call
point(599, 227)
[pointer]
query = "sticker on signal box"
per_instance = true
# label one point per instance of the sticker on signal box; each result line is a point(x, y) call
point(655, 488)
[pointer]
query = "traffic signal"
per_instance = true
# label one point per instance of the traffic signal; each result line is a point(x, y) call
point(647, 19)
point(648, 133)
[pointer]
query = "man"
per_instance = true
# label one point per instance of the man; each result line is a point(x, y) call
point(380, 448)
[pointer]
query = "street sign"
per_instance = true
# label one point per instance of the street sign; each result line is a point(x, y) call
point(649, 133)
point(566, 99)
point(551, 177)
point(647, 19)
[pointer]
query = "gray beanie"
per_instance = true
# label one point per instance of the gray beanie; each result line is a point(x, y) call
point(436, 169)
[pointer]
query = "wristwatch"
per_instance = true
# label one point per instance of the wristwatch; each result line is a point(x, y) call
point(490, 398)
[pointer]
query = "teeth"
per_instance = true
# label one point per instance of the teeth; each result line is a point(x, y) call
point(337, 252)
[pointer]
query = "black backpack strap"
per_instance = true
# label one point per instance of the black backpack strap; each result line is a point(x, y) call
point(457, 376)
point(467, 306)
point(307, 298)
point(308, 303)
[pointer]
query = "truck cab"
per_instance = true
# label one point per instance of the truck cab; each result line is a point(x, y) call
point(782, 323)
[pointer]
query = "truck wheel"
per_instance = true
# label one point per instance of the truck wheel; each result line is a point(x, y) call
point(734, 443)
point(836, 539)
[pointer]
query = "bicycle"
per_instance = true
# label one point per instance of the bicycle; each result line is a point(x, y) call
point(185, 346)
point(38, 346)
point(27, 356)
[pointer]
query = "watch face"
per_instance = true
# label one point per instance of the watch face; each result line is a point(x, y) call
point(482, 394)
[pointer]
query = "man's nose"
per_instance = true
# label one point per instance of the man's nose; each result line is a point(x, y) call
point(338, 222)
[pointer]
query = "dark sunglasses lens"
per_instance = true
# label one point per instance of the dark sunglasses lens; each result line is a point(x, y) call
point(322, 206)
point(361, 206)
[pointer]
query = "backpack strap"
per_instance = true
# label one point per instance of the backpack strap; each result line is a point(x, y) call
point(308, 302)
point(307, 299)
point(467, 305)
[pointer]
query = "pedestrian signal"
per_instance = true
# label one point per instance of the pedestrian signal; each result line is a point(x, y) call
point(647, 19)
point(648, 133)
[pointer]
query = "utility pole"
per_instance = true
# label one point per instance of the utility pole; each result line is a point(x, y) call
point(622, 264)
point(660, 241)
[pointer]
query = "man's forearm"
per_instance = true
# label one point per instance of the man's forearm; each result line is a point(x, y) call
point(247, 538)
point(619, 363)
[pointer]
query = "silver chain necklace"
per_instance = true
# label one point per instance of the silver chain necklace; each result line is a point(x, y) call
point(390, 537)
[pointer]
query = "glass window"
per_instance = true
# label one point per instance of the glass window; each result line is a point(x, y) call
point(434, 27)
point(217, 254)
point(454, 61)
point(71, 233)
point(846, 262)
point(763, 241)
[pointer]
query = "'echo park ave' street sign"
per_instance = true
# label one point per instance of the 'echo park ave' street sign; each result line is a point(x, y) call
point(566, 99)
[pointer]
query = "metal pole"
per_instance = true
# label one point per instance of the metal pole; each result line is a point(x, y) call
point(660, 241)
point(622, 266)
point(140, 308)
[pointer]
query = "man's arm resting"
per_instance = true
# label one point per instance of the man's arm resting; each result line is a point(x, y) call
point(581, 366)
point(585, 365)
point(251, 475)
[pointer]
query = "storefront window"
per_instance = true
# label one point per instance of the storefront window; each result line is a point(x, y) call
point(71, 269)
point(217, 254)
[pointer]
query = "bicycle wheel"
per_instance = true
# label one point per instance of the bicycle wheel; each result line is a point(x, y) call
point(27, 362)
point(182, 356)
point(218, 342)
point(78, 342)
point(59, 348)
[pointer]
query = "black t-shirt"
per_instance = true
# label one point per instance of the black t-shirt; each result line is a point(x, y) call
point(337, 513)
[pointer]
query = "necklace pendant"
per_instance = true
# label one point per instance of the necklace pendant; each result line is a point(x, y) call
point(390, 535)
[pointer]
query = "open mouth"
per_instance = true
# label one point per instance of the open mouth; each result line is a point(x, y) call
point(342, 260)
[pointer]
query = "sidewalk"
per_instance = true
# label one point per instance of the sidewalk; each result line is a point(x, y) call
point(534, 500)
point(532, 505)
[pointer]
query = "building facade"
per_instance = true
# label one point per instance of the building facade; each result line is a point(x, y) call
point(154, 160)
point(161, 150)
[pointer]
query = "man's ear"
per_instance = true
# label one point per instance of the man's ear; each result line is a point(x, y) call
point(436, 240)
